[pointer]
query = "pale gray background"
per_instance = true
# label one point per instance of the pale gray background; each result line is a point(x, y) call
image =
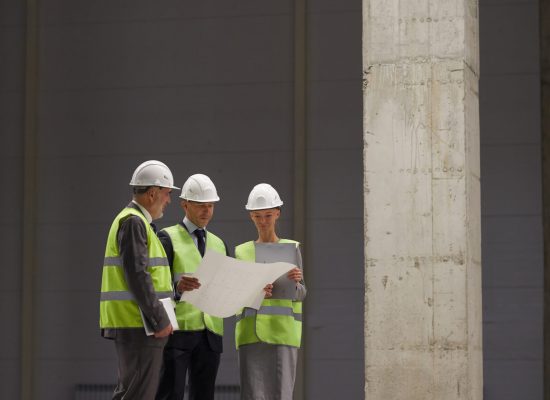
point(208, 87)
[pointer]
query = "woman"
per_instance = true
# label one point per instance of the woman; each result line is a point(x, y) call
point(268, 339)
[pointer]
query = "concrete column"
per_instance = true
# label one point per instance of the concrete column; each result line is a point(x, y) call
point(422, 200)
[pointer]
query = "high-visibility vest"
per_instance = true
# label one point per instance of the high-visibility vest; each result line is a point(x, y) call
point(118, 308)
point(278, 321)
point(186, 260)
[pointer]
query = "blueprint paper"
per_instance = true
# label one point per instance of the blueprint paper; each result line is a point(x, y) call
point(228, 284)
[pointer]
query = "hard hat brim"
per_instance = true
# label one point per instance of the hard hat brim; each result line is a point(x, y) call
point(214, 200)
point(248, 208)
point(162, 186)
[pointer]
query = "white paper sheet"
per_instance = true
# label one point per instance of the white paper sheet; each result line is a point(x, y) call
point(228, 284)
point(168, 305)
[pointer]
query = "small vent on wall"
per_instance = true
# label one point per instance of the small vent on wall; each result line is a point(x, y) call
point(92, 391)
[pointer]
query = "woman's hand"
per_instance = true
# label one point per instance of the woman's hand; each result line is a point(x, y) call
point(295, 274)
point(268, 289)
point(187, 283)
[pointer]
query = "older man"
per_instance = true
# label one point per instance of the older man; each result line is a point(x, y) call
point(136, 275)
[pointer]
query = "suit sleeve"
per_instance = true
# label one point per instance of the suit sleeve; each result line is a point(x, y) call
point(168, 247)
point(226, 249)
point(132, 241)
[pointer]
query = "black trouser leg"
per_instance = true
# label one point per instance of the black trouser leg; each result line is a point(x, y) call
point(174, 370)
point(203, 371)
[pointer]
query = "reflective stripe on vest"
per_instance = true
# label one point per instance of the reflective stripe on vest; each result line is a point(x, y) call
point(151, 262)
point(118, 308)
point(186, 260)
point(126, 295)
point(278, 321)
point(269, 310)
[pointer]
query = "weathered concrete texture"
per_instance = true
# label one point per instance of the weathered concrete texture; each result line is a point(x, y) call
point(422, 201)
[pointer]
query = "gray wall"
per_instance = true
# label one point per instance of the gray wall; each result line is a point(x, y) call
point(11, 151)
point(334, 324)
point(511, 199)
point(205, 87)
point(202, 86)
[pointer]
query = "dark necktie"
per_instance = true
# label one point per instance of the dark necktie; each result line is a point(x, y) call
point(154, 227)
point(199, 233)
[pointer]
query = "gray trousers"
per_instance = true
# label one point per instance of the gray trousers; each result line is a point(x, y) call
point(267, 371)
point(139, 363)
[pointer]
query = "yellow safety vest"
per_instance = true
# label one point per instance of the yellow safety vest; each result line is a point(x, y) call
point(278, 321)
point(118, 308)
point(186, 260)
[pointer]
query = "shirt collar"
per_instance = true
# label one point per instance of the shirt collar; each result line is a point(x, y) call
point(144, 211)
point(191, 227)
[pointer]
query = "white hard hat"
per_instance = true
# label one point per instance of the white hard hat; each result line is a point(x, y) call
point(153, 173)
point(199, 188)
point(263, 196)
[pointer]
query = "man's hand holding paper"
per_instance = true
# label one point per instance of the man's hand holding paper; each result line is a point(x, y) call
point(187, 283)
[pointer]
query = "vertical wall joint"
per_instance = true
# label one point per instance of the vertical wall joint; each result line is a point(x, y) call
point(300, 153)
point(545, 142)
point(29, 198)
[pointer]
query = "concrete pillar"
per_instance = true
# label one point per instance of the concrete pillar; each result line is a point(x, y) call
point(422, 200)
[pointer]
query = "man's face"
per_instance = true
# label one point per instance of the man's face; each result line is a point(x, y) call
point(198, 213)
point(265, 219)
point(159, 198)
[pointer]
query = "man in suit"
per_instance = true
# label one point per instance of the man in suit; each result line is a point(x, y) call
point(135, 276)
point(192, 352)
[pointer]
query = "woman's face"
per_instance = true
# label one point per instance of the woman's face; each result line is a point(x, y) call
point(265, 219)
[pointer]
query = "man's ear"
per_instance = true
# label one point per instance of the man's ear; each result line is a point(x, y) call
point(152, 194)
